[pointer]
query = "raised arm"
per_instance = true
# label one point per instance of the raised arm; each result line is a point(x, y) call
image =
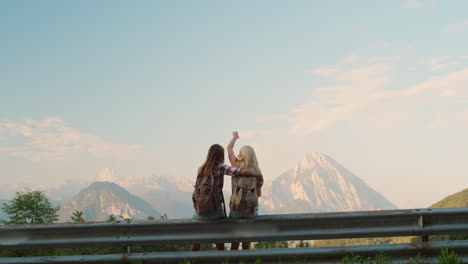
point(230, 148)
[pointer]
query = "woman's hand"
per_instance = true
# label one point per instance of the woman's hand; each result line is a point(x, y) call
point(230, 148)
point(259, 186)
point(235, 135)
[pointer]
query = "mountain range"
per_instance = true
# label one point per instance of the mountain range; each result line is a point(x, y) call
point(169, 195)
point(317, 184)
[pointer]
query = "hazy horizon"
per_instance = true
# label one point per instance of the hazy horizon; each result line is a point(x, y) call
point(145, 88)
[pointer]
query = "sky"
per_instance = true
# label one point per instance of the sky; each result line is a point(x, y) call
point(146, 87)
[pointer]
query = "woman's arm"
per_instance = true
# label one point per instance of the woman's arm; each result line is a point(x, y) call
point(259, 187)
point(230, 148)
point(246, 172)
point(234, 171)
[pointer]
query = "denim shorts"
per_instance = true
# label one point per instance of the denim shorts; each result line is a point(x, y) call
point(239, 215)
point(216, 215)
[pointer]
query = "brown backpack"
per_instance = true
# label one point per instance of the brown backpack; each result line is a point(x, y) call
point(244, 198)
point(207, 195)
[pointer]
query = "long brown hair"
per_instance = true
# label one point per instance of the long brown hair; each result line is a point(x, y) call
point(214, 157)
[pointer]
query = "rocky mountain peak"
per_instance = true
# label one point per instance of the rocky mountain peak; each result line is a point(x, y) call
point(319, 184)
point(108, 175)
point(314, 159)
point(101, 199)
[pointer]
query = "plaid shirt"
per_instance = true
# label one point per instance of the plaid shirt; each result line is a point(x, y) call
point(224, 169)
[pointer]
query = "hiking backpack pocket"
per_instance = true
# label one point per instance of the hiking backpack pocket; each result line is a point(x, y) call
point(205, 197)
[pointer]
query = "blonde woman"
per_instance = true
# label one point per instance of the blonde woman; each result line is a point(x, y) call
point(245, 190)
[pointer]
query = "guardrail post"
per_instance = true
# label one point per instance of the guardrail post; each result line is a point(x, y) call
point(423, 222)
point(126, 253)
point(126, 249)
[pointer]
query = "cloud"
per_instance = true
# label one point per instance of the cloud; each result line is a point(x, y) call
point(463, 117)
point(267, 118)
point(361, 82)
point(448, 86)
point(439, 63)
point(456, 119)
point(439, 123)
point(366, 96)
point(458, 27)
point(258, 136)
point(51, 140)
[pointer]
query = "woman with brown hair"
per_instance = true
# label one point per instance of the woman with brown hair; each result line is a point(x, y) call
point(207, 197)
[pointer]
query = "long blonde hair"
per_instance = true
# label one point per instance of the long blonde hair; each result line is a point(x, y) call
point(248, 160)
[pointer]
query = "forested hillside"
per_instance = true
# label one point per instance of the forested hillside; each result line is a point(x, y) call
point(459, 199)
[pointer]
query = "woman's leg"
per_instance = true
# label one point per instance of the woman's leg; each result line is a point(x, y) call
point(235, 246)
point(195, 247)
point(220, 246)
point(246, 245)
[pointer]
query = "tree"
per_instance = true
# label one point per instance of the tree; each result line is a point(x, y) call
point(30, 207)
point(126, 219)
point(163, 217)
point(77, 217)
point(111, 218)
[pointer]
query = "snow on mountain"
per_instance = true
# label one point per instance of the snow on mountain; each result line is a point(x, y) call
point(153, 182)
point(108, 175)
point(320, 184)
point(169, 195)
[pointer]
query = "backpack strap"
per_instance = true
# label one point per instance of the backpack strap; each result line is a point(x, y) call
point(212, 179)
point(224, 204)
point(213, 182)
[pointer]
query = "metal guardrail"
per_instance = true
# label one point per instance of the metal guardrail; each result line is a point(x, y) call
point(388, 223)
point(401, 254)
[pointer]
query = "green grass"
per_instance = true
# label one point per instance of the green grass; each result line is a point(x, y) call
point(356, 259)
point(449, 257)
point(446, 257)
point(416, 260)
